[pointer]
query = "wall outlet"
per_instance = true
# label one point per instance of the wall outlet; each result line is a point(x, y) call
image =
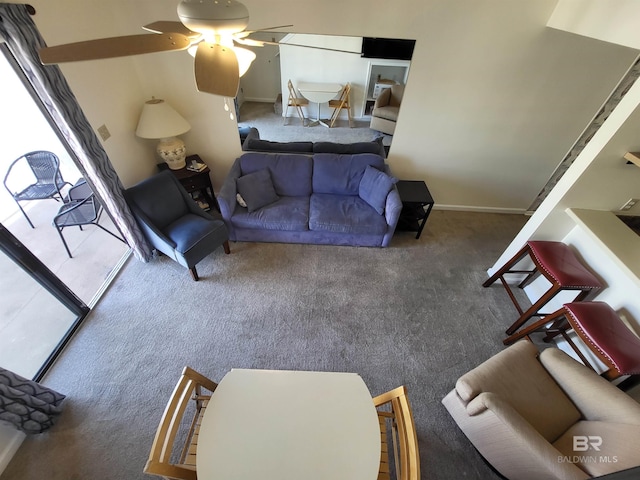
point(104, 132)
point(630, 203)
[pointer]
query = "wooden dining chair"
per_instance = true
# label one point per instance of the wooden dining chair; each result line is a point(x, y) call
point(189, 387)
point(342, 103)
point(296, 102)
point(394, 409)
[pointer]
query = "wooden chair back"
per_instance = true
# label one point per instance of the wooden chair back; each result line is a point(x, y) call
point(189, 387)
point(296, 102)
point(342, 103)
point(394, 408)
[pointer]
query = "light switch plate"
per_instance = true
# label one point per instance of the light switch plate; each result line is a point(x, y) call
point(104, 132)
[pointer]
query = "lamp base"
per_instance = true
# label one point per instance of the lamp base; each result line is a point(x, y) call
point(173, 151)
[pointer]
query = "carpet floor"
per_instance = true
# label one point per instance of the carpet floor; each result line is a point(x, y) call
point(270, 125)
point(414, 314)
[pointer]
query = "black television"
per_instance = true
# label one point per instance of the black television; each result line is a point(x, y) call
point(390, 48)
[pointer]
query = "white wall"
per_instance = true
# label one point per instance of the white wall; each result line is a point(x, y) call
point(614, 22)
point(300, 64)
point(493, 103)
point(262, 82)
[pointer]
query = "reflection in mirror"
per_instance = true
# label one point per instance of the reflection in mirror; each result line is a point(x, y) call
point(376, 70)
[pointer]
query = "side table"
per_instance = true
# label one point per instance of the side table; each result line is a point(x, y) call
point(415, 196)
point(195, 181)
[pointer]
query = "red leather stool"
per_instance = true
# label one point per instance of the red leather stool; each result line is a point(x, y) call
point(600, 328)
point(557, 262)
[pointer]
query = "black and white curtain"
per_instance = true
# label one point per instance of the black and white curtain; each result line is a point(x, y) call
point(27, 405)
point(24, 40)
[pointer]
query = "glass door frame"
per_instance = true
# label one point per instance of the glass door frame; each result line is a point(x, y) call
point(37, 270)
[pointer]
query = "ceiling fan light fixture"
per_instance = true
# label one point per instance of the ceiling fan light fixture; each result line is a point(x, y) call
point(245, 58)
point(220, 16)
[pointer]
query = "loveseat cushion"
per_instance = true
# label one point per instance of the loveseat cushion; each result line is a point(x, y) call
point(288, 213)
point(290, 173)
point(255, 144)
point(374, 188)
point(341, 174)
point(374, 146)
point(256, 189)
point(344, 214)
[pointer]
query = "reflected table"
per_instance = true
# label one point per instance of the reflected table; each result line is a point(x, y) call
point(289, 425)
point(319, 93)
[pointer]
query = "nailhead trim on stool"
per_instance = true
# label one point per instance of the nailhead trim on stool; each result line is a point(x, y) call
point(599, 327)
point(558, 264)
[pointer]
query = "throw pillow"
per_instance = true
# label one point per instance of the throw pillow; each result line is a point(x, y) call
point(374, 188)
point(257, 189)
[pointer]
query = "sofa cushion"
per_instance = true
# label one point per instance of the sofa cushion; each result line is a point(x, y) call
point(341, 174)
point(288, 213)
point(375, 187)
point(350, 148)
point(266, 146)
point(290, 173)
point(344, 214)
point(257, 189)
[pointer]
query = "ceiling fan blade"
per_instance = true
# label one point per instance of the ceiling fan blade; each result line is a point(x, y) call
point(216, 70)
point(246, 33)
point(250, 42)
point(166, 26)
point(113, 47)
point(265, 42)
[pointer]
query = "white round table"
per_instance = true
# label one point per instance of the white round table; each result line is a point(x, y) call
point(289, 425)
point(319, 93)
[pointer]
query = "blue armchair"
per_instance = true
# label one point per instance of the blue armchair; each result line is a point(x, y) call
point(174, 223)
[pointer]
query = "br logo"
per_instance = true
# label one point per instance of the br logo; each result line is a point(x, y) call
point(582, 443)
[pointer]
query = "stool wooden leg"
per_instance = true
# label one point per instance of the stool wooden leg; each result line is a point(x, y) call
point(505, 268)
point(534, 309)
point(534, 327)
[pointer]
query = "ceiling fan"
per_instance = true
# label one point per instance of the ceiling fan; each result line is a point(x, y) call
point(208, 28)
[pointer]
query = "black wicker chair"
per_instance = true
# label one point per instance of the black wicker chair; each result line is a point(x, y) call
point(34, 176)
point(81, 208)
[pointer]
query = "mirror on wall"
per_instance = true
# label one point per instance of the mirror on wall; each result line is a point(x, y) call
point(371, 66)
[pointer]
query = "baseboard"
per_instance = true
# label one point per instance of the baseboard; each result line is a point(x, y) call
point(259, 99)
point(10, 441)
point(469, 208)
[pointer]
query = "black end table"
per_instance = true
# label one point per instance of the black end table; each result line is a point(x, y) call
point(415, 196)
point(195, 181)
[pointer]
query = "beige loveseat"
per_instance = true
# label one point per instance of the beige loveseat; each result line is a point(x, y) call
point(546, 416)
point(385, 110)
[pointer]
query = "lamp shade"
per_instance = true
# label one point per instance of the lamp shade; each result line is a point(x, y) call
point(159, 120)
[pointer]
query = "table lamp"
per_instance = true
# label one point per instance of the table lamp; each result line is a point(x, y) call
point(159, 120)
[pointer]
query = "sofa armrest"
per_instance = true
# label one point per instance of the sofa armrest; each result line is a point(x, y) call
point(227, 194)
point(595, 397)
point(253, 134)
point(393, 207)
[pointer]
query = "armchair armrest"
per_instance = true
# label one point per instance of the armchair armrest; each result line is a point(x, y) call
point(521, 448)
point(595, 397)
point(227, 195)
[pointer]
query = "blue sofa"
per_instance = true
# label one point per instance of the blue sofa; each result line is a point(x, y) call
point(322, 198)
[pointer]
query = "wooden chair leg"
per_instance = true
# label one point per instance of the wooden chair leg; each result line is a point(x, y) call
point(194, 273)
point(227, 250)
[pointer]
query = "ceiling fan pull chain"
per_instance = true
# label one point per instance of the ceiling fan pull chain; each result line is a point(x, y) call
point(227, 107)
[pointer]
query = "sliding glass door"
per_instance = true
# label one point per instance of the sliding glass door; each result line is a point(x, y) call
point(38, 313)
